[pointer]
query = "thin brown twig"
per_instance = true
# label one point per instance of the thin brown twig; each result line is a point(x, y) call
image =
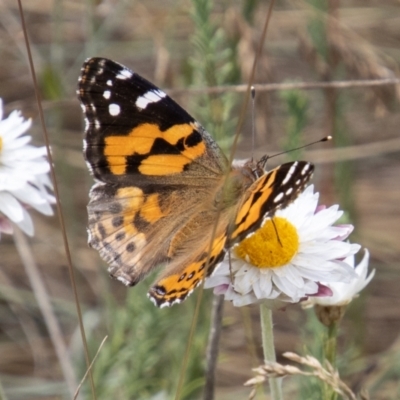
point(260, 87)
point(90, 367)
point(272, 87)
point(57, 195)
point(44, 303)
point(318, 156)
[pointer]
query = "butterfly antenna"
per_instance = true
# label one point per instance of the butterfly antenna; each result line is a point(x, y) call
point(253, 120)
point(264, 159)
point(276, 231)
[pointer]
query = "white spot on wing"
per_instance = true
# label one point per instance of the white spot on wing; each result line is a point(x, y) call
point(124, 74)
point(290, 173)
point(114, 109)
point(152, 96)
point(289, 191)
point(109, 82)
point(153, 300)
point(107, 94)
point(305, 169)
point(123, 280)
point(89, 167)
point(278, 198)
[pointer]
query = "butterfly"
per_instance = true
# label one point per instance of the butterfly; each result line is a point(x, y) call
point(165, 193)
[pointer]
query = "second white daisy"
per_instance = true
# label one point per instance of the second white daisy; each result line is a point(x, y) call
point(286, 258)
point(24, 180)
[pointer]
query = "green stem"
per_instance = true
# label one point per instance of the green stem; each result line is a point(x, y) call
point(212, 348)
point(330, 343)
point(269, 349)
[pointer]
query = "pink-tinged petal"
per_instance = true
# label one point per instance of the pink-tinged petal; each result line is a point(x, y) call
point(347, 229)
point(320, 208)
point(323, 291)
point(6, 225)
point(221, 289)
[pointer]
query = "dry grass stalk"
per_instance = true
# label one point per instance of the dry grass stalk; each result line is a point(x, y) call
point(326, 374)
point(361, 60)
point(89, 368)
point(275, 87)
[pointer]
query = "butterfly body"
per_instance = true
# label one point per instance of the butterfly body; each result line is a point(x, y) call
point(165, 192)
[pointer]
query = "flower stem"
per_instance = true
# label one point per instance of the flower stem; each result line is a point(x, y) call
point(269, 349)
point(212, 349)
point(330, 343)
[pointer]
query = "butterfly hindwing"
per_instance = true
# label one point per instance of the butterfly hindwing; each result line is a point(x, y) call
point(185, 274)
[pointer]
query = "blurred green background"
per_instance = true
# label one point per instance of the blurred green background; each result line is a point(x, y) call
point(182, 45)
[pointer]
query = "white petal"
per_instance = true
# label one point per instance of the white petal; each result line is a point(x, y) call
point(23, 173)
point(11, 207)
point(31, 196)
point(216, 280)
point(13, 126)
point(284, 285)
point(26, 225)
point(15, 144)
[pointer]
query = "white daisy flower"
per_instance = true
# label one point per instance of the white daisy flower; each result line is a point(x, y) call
point(344, 293)
point(287, 258)
point(24, 180)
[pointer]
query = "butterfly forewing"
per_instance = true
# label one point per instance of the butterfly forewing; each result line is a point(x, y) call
point(132, 127)
point(274, 190)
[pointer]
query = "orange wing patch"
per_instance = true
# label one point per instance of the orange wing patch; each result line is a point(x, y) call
point(147, 206)
point(175, 288)
point(183, 139)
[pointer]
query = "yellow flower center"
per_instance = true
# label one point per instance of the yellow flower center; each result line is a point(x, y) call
point(265, 249)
